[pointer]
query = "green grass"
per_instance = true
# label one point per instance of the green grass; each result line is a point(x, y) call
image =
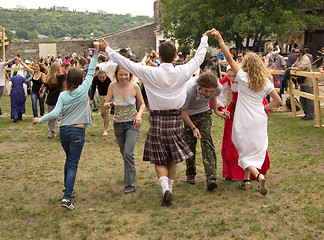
point(31, 182)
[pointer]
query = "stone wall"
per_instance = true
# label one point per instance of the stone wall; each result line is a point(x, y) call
point(31, 49)
point(139, 39)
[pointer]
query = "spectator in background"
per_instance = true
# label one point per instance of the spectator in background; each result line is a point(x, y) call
point(292, 45)
point(219, 58)
point(102, 82)
point(303, 64)
point(309, 55)
point(240, 56)
point(68, 59)
point(271, 55)
point(16, 64)
point(67, 67)
point(291, 58)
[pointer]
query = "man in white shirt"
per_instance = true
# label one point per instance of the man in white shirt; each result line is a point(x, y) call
point(165, 88)
point(17, 65)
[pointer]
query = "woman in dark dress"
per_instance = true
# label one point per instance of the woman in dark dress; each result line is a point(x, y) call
point(17, 89)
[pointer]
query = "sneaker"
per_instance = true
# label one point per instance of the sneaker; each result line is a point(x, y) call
point(51, 135)
point(126, 191)
point(211, 184)
point(73, 193)
point(68, 204)
point(95, 110)
point(191, 180)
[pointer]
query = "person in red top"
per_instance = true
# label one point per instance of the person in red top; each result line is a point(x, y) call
point(231, 169)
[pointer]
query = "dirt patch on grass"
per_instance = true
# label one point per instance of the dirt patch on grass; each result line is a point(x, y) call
point(7, 147)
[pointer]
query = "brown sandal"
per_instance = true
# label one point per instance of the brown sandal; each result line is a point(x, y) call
point(262, 188)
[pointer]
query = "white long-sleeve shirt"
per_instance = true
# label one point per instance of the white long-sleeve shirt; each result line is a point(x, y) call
point(164, 85)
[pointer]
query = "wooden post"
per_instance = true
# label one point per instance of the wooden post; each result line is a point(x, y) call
point(292, 98)
point(3, 44)
point(317, 103)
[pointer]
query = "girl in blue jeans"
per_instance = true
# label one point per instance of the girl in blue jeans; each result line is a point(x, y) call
point(75, 108)
point(38, 74)
point(122, 94)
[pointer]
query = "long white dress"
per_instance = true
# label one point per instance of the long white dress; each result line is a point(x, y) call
point(250, 135)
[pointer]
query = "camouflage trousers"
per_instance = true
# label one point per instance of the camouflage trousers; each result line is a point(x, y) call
point(203, 122)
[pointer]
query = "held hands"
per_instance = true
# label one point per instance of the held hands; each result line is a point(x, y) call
point(214, 32)
point(223, 114)
point(102, 46)
point(137, 120)
point(35, 120)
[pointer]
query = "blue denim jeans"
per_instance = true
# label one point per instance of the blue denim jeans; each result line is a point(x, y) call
point(72, 141)
point(126, 134)
point(34, 98)
point(1, 91)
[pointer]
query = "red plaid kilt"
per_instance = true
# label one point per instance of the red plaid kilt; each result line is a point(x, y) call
point(166, 140)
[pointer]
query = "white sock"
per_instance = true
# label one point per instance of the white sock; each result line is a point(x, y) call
point(164, 181)
point(171, 184)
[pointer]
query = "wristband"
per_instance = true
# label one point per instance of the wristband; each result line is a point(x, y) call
point(221, 44)
point(194, 128)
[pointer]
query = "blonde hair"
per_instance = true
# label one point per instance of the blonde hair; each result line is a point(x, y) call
point(270, 48)
point(116, 73)
point(256, 72)
point(54, 70)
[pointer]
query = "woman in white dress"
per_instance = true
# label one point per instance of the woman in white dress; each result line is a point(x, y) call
point(249, 133)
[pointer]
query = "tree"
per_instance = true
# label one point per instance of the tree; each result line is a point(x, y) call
point(238, 20)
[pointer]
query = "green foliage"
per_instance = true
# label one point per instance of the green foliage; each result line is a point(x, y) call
point(237, 20)
point(28, 24)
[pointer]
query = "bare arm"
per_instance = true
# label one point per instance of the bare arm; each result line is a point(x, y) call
point(138, 116)
point(8, 62)
point(186, 118)
point(218, 113)
point(108, 103)
point(226, 53)
point(31, 71)
point(275, 100)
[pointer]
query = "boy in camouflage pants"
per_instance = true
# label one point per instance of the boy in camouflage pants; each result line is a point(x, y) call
point(196, 113)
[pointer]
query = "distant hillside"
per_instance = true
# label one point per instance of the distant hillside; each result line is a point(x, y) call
point(49, 25)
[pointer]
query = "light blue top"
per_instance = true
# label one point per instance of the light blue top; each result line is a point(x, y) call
point(74, 105)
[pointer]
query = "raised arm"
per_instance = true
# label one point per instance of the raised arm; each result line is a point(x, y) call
point(226, 53)
point(30, 70)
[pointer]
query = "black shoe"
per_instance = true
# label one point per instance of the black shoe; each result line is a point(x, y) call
point(167, 198)
point(95, 110)
point(191, 180)
point(68, 204)
point(308, 118)
point(211, 184)
point(303, 117)
point(15, 120)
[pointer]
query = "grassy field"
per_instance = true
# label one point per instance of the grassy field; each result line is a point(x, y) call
point(31, 183)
